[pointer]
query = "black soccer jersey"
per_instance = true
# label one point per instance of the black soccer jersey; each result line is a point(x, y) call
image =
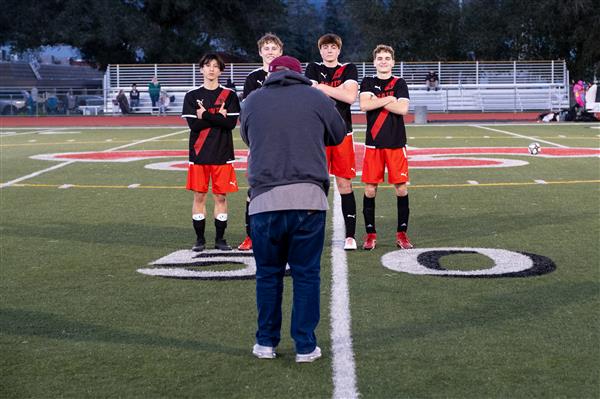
point(254, 81)
point(385, 129)
point(335, 77)
point(211, 141)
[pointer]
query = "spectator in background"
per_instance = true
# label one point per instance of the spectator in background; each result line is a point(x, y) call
point(70, 101)
point(579, 93)
point(134, 96)
point(123, 103)
point(28, 102)
point(432, 81)
point(34, 99)
point(154, 91)
point(163, 103)
point(230, 85)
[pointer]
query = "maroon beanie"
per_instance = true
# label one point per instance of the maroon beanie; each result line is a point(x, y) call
point(285, 62)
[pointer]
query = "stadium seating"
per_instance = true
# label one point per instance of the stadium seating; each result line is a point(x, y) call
point(464, 86)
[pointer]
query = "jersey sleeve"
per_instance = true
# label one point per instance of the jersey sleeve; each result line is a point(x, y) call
point(366, 86)
point(189, 107)
point(249, 85)
point(189, 113)
point(350, 73)
point(232, 105)
point(401, 90)
point(311, 72)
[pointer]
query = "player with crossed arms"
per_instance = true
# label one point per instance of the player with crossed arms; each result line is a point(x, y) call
point(339, 82)
point(385, 99)
point(269, 47)
point(211, 112)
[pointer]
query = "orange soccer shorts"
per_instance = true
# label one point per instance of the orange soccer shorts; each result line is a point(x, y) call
point(222, 176)
point(340, 158)
point(377, 159)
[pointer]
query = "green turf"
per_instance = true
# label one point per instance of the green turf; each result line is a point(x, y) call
point(77, 320)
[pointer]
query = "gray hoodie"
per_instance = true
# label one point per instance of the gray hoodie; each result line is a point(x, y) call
point(286, 124)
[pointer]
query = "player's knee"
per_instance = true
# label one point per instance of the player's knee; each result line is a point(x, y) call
point(199, 198)
point(401, 190)
point(371, 191)
point(220, 199)
point(344, 185)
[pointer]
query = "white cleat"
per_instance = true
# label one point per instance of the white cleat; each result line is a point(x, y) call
point(264, 352)
point(309, 357)
point(350, 244)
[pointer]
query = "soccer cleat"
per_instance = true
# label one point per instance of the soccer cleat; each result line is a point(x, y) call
point(222, 245)
point(370, 241)
point(402, 240)
point(198, 246)
point(309, 357)
point(350, 244)
point(246, 245)
point(264, 352)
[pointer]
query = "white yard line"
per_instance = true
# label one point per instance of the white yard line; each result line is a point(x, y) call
point(344, 373)
point(60, 165)
point(521, 136)
point(42, 131)
point(34, 174)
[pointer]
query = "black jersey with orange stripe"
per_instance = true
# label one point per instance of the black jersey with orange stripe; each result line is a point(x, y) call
point(211, 141)
point(391, 130)
point(334, 77)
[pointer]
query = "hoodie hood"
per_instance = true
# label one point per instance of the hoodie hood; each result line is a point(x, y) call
point(286, 78)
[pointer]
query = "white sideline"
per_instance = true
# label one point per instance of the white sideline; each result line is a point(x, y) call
point(344, 373)
point(521, 136)
point(60, 165)
point(39, 131)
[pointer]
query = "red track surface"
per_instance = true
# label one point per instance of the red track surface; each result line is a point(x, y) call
point(147, 120)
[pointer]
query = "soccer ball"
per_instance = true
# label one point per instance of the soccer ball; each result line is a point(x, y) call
point(534, 148)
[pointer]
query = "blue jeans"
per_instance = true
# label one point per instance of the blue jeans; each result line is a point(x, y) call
point(294, 237)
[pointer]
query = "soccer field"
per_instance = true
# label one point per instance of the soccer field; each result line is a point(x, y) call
point(499, 299)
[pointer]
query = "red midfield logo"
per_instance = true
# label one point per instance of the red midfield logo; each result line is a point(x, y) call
point(419, 158)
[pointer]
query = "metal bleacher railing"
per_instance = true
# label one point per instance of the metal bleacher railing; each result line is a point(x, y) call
point(464, 86)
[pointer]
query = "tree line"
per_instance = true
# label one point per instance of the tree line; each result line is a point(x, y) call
point(179, 31)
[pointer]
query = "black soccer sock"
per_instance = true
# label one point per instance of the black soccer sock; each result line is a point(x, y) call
point(220, 226)
point(349, 211)
point(403, 213)
point(199, 226)
point(369, 214)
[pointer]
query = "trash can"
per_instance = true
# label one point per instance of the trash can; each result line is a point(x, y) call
point(420, 114)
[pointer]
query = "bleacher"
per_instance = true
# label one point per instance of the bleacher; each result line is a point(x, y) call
point(464, 86)
point(16, 74)
point(25, 75)
point(68, 72)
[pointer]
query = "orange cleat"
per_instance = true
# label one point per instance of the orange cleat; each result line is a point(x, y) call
point(402, 240)
point(370, 241)
point(246, 245)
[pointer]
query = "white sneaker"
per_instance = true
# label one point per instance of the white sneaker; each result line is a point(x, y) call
point(309, 357)
point(264, 352)
point(349, 244)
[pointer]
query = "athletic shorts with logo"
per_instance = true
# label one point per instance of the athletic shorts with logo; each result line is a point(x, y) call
point(340, 158)
point(222, 177)
point(378, 159)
